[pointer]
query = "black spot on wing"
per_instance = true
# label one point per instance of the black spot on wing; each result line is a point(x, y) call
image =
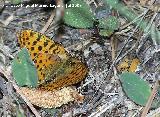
point(32, 48)
point(34, 43)
point(39, 48)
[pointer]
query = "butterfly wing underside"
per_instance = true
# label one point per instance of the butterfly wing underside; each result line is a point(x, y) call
point(55, 67)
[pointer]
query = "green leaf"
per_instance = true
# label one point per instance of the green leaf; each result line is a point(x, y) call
point(108, 25)
point(136, 88)
point(24, 71)
point(78, 17)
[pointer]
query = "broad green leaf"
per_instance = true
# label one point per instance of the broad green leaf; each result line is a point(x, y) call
point(78, 17)
point(24, 71)
point(136, 89)
point(108, 25)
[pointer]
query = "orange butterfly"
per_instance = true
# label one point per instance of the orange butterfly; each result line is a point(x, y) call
point(56, 67)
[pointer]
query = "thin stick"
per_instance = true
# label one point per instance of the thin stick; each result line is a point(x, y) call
point(44, 29)
point(55, 16)
point(148, 105)
point(114, 46)
point(8, 76)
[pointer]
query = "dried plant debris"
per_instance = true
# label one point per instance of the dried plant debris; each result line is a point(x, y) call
point(51, 99)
